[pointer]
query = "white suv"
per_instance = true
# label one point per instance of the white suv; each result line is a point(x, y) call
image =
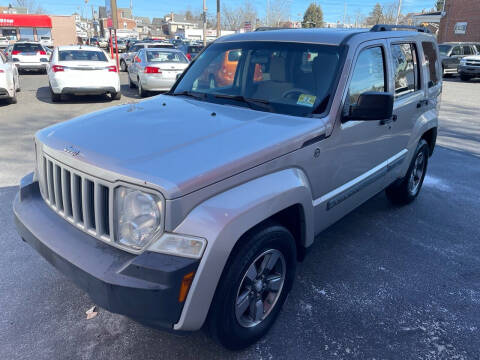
point(29, 55)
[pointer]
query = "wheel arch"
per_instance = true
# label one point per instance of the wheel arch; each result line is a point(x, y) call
point(226, 219)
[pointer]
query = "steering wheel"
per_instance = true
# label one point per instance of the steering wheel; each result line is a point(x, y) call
point(287, 94)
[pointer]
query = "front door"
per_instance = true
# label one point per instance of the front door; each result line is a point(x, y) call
point(354, 159)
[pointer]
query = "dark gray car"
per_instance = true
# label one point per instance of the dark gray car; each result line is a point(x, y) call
point(452, 53)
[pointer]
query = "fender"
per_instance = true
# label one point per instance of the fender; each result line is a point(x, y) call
point(425, 122)
point(223, 219)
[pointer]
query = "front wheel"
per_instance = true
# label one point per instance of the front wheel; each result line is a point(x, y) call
point(465, 77)
point(253, 287)
point(405, 190)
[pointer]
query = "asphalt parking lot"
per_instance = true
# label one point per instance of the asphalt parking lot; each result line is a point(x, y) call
point(383, 283)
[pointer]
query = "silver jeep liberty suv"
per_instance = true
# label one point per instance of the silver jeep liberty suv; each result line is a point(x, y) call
point(192, 208)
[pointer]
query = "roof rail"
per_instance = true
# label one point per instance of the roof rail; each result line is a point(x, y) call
point(268, 28)
point(385, 27)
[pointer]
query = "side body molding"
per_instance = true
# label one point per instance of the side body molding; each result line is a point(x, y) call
point(223, 219)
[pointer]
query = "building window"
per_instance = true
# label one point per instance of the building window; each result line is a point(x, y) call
point(44, 34)
point(26, 34)
point(10, 34)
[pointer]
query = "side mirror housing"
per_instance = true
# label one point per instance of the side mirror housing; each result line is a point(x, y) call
point(372, 106)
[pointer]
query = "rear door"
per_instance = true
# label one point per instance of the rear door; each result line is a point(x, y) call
point(410, 98)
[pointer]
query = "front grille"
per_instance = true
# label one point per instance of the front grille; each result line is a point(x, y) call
point(81, 199)
point(473, 62)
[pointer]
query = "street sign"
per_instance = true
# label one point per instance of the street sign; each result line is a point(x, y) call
point(460, 28)
point(112, 14)
point(247, 26)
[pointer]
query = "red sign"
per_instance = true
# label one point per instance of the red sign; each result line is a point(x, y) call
point(14, 20)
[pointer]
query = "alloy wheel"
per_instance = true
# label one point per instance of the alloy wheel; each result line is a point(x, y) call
point(260, 288)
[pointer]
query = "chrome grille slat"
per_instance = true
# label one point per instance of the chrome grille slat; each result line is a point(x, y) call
point(79, 198)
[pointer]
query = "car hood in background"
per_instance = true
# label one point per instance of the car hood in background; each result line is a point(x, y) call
point(179, 144)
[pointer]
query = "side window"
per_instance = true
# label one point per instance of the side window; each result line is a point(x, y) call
point(432, 62)
point(457, 50)
point(467, 50)
point(369, 73)
point(405, 65)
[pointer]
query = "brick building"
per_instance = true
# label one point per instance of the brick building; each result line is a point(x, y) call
point(461, 21)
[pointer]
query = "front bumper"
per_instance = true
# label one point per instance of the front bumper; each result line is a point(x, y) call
point(143, 287)
point(469, 70)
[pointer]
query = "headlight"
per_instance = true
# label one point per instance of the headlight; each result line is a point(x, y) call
point(138, 217)
point(463, 62)
point(180, 245)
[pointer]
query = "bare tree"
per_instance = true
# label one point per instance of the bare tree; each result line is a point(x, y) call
point(278, 11)
point(32, 6)
point(235, 18)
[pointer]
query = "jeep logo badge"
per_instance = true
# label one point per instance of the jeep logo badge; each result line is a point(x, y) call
point(71, 150)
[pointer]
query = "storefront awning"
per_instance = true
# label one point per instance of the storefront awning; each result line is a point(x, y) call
point(14, 20)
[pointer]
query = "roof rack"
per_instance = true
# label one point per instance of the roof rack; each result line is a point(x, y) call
point(385, 27)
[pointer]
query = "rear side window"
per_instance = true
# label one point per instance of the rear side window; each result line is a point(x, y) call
point(432, 62)
point(467, 50)
point(405, 65)
point(27, 48)
point(81, 55)
point(369, 73)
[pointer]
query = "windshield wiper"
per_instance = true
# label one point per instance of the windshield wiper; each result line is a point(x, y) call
point(198, 96)
point(249, 101)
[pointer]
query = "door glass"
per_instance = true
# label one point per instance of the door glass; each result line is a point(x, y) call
point(432, 62)
point(457, 50)
point(406, 69)
point(369, 74)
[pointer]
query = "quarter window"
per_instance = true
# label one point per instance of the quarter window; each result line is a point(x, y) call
point(405, 65)
point(432, 62)
point(369, 74)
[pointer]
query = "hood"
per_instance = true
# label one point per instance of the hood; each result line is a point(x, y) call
point(178, 144)
point(472, 57)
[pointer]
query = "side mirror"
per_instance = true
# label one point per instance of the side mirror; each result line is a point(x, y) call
point(371, 105)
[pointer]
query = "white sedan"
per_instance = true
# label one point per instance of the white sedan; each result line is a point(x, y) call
point(82, 70)
point(9, 81)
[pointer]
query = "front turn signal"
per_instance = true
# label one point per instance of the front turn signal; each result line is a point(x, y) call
point(185, 286)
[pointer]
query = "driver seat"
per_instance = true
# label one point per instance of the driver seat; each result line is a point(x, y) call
point(277, 85)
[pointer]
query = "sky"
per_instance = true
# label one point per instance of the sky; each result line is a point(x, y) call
point(332, 9)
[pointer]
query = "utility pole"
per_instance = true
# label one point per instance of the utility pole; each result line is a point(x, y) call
point(219, 28)
point(268, 11)
point(204, 22)
point(399, 10)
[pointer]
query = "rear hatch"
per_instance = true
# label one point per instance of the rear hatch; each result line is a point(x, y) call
point(29, 53)
point(168, 70)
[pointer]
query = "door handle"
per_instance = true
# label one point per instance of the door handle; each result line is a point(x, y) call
point(388, 121)
point(421, 103)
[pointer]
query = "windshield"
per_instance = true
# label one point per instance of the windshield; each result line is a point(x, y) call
point(444, 49)
point(81, 55)
point(287, 78)
point(165, 56)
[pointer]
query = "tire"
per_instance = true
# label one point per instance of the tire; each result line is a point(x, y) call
point(236, 329)
point(13, 99)
point(55, 97)
point(141, 92)
point(123, 66)
point(465, 77)
point(131, 84)
point(115, 96)
point(406, 190)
